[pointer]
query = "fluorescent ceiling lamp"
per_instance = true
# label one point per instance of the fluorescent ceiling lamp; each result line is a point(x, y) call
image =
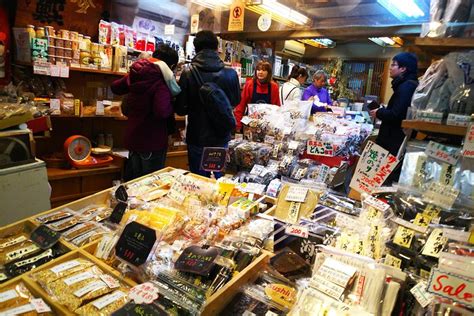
point(320, 42)
point(387, 41)
point(279, 12)
point(402, 9)
point(214, 4)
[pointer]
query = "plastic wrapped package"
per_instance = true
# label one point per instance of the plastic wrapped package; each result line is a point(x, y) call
point(46, 276)
point(16, 300)
point(105, 305)
point(431, 82)
point(260, 110)
point(294, 110)
point(249, 154)
point(16, 268)
point(255, 130)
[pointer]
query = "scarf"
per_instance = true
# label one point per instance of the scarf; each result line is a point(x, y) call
point(168, 77)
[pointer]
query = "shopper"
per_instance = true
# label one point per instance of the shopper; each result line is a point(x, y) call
point(148, 110)
point(318, 93)
point(403, 71)
point(290, 90)
point(201, 132)
point(259, 89)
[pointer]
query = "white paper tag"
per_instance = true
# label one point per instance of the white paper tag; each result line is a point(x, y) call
point(409, 225)
point(89, 288)
point(110, 281)
point(40, 306)
point(293, 145)
point(8, 295)
point(99, 110)
point(169, 29)
point(176, 194)
point(255, 188)
point(421, 295)
point(55, 71)
point(144, 293)
point(298, 231)
point(296, 194)
point(328, 288)
point(337, 272)
point(376, 203)
point(442, 152)
point(456, 235)
point(78, 278)
point(64, 71)
point(19, 310)
point(108, 299)
point(257, 169)
point(246, 120)
point(287, 130)
point(435, 243)
point(468, 147)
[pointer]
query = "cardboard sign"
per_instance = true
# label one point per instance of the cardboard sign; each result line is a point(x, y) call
point(373, 168)
point(236, 16)
point(132, 309)
point(316, 147)
point(441, 152)
point(45, 237)
point(197, 260)
point(451, 286)
point(117, 213)
point(135, 243)
point(213, 158)
point(468, 148)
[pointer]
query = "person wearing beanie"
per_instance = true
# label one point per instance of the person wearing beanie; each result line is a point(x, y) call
point(403, 71)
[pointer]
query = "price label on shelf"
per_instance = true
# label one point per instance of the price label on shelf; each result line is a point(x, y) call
point(298, 231)
point(55, 71)
point(441, 152)
point(64, 71)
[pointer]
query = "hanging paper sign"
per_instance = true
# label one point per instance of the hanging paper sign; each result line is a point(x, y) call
point(213, 158)
point(373, 168)
point(44, 237)
point(169, 29)
point(376, 203)
point(135, 243)
point(264, 22)
point(195, 259)
point(451, 286)
point(194, 23)
point(441, 152)
point(236, 16)
point(316, 147)
point(468, 148)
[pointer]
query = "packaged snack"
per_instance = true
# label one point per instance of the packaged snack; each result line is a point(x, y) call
point(106, 304)
point(18, 251)
point(46, 276)
point(65, 223)
point(17, 268)
point(51, 217)
point(78, 230)
point(13, 296)
point(104, 32)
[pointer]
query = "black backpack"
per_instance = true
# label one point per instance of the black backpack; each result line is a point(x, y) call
point(216, 104)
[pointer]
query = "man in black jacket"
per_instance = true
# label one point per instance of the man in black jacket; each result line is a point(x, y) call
point(403, 71)
point(200, 130)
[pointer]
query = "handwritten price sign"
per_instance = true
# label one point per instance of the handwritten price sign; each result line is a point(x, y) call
point(298, 231)
point(468, 148)
point(144, 293)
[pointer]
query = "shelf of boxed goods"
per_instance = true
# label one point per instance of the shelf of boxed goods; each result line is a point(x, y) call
point(82, 69)
point(434, 127)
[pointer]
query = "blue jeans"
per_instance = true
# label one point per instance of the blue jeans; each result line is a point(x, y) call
point(194, 160)
point(142, 163)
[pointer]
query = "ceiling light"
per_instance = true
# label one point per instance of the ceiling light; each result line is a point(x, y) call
point(320, 42)
point(279, 12)
point(402, 9)
point(387, 41)
point(214, 4)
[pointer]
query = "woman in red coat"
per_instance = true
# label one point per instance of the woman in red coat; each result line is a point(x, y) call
point(260, 89)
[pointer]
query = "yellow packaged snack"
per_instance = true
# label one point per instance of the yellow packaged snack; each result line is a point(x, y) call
point(105, 305)
point(46, 276)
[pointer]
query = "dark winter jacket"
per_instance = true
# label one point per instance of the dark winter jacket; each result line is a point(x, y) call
point(200, 130)
point(148, 106)
point(391, 134)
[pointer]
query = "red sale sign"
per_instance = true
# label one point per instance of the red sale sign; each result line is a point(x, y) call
point(451, 286)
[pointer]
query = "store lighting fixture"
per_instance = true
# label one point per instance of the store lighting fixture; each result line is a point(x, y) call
point(214, 4)
point(319, 42)
point(279, 12)
point(402, 9)
point(387, 41)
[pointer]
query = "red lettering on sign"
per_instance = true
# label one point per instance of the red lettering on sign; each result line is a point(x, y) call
point(450, 291)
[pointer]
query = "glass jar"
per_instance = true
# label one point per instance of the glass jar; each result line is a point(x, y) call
point(85, 58)
point(50, 32)
point(40, 32)
point(31, 30)
point(86, 46)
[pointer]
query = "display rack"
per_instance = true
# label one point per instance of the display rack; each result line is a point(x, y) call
point(434, 127)
point(214, 304)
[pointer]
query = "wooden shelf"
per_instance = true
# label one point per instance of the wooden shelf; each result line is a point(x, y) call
point(56, 173)
point(179, 118)
point(434, 128)
point(177, 153)
point(79, 69)
point(118, 118)
point(445, 42)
